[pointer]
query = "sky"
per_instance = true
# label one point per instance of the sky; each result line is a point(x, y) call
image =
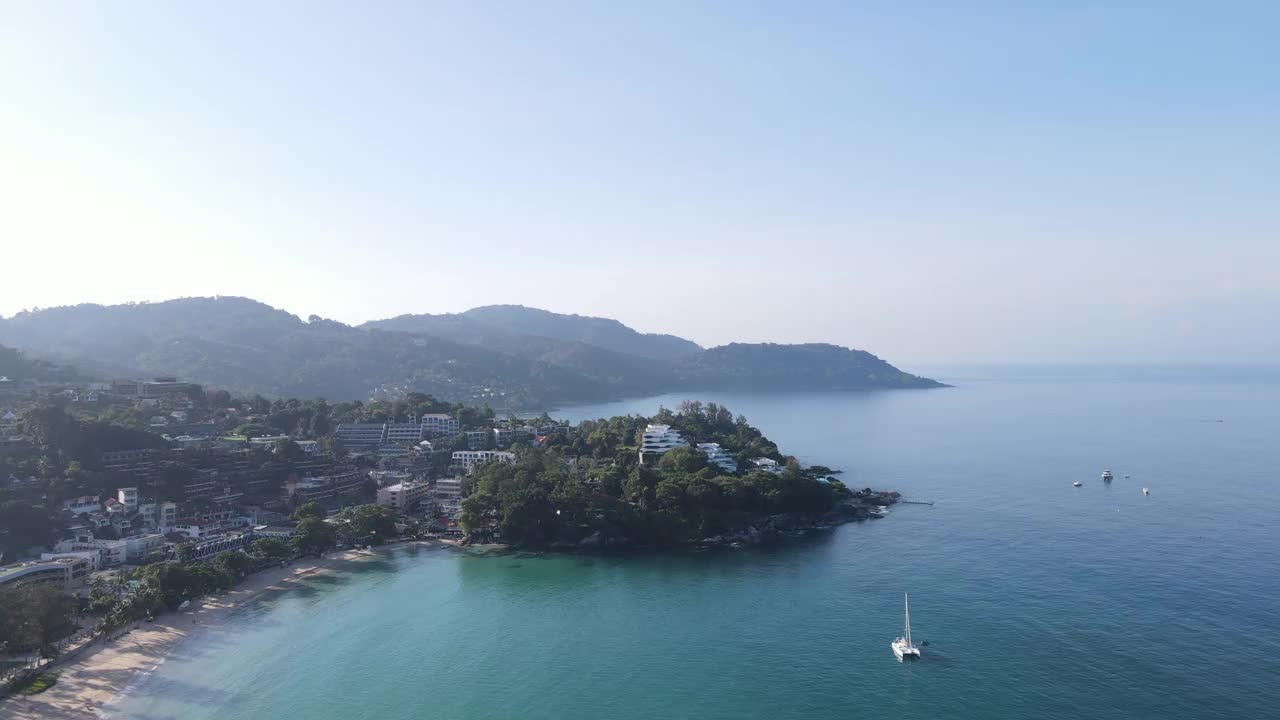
point(931, 181)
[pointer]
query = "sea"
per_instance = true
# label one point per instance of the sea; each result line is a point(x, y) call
point(1032, 598)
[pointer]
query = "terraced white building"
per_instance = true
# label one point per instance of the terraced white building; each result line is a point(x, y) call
point(718, 457)
point(658, 440)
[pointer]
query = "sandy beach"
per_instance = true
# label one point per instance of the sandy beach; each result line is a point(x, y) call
point(89, 681)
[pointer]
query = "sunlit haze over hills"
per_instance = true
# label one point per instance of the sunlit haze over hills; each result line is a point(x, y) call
point(1047, 184)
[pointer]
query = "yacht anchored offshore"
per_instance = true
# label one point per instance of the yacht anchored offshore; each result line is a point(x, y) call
point(903, 647)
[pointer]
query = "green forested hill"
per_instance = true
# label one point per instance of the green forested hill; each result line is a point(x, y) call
point(514, 323)
point(793, 367)
point(16, 366)
point(509, 356)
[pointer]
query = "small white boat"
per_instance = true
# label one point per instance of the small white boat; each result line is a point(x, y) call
point(1146, 491)
point(1106, 476)
point(1076, 484)
point(903, 647)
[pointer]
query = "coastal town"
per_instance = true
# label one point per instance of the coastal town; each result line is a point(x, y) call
point(108, 487)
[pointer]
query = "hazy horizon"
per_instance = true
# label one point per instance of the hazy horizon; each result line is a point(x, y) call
point(935, 184)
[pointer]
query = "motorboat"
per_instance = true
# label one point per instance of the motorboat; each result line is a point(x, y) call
point(1076, 484)
point(1106, 476)
point(903, 647)
point(1146, 491)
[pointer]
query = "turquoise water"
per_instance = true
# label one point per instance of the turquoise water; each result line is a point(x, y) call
point(1038, 600)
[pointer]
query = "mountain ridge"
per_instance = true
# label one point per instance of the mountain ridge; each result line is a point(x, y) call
point(502, 354)
point(605, 333)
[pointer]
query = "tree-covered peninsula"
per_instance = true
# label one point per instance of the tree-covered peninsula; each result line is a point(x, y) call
point(590, 489)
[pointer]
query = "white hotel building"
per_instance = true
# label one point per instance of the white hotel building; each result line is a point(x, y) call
point(657, 441)
point(469, 459)
point(402, 434)
point(402, 495)
point(718, 457)
point(435, 424)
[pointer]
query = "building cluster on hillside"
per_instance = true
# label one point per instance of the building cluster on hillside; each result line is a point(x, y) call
point(468, 460)
point(658, 440)
point(213, 489)
point(766, 464)
point(358, 437)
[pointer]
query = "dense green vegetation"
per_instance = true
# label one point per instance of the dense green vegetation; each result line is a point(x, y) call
point(814, 366)
point(508, 325)
point(516, 356)
point(33, 617)
point(606, 496)
point(73, 439)
point(359, 525)
point(247, 347)
point(16, 366)
point(23, 524)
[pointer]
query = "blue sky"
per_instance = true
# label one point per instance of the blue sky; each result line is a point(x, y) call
point(934, 182)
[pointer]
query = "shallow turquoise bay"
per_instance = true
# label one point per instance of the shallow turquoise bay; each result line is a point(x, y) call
point(1038, 600)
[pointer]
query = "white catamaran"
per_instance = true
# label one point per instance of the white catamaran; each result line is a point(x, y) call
point(903, 647)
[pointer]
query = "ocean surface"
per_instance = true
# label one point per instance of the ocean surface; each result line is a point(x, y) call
point(1037, 599)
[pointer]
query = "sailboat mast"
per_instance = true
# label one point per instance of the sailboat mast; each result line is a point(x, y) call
point(906, 608)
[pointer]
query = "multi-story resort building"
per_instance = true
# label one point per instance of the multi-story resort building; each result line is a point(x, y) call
point(718, 457)
point(128, 497)
point(326, 487)
point(403, 495)
point(765, 463)
point(142, 466)
point(476, 439)
point(403, 434)
point(448, 488)
point(162, 386)
point(83, 504)
point(358, 436)
point(367, 436)
point(436, 424)
point(70, 573)
point(657, 441)
point(203, 485)
point(383, 478)
point(124, 551)
point(159, 515)
point(92, 556)
point(504, 436)
point(469, 459)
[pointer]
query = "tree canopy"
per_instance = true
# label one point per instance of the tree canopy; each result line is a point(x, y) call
point(550, 496)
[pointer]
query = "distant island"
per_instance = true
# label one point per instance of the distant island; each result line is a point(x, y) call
point(508, 356)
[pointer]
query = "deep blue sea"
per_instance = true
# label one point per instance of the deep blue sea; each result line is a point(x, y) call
point(1037, 599)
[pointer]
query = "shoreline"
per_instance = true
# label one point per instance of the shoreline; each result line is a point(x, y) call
point(92, 682)
point(95, 680)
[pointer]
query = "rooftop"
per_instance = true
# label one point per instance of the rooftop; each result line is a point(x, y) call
point(23, 567)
